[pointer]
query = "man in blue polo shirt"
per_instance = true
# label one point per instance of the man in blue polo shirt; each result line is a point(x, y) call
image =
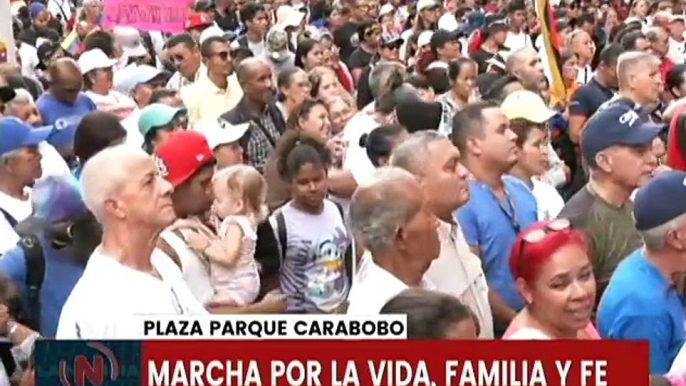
point(499, 206)
point(644, 297)
point(64, 99)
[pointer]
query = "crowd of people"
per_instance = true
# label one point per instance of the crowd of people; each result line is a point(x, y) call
point(348, 156)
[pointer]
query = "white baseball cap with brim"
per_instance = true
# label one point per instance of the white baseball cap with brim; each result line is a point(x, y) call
point(287, 16)
point(527, 105)
point(386, 9)
point(424, 38)
point(426, 4)
point(220, 132)
point(94, 59)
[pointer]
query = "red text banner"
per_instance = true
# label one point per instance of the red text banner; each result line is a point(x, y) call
point(395, 363)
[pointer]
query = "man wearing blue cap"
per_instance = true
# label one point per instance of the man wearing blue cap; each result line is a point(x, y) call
point(643, 299)
point(617, 146)
point(20, 167)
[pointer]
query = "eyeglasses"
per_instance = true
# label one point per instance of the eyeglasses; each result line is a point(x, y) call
point(536, 236)
point(556, 225)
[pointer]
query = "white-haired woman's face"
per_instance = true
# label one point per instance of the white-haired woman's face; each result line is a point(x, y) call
point(340, 114)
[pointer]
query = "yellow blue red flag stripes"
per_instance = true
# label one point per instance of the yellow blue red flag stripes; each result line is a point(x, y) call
point(551, 44)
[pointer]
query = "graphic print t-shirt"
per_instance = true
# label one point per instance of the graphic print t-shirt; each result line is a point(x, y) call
point(313, 275)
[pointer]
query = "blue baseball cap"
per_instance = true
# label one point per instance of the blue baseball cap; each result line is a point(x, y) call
point(660, 200)
point(616, 125)
point(64, 130)
point(15, 134)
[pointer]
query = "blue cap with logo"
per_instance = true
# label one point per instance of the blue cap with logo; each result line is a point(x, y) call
point(16, 134)
point(661, 200)
point(64, 131)
point(616, 125)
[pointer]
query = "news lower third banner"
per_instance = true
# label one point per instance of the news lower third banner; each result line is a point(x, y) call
point(342, 363)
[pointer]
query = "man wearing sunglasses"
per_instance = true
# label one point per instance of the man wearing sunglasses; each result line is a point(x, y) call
point(217, 89)
point(64, 98)
point(369, 34)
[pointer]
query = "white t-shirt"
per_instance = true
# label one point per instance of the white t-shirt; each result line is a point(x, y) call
point(114, 102)
point(60, 8)
point(19, 210)
point(256, 48)
point(52, 162)
point(356, 159)
point(585, 74)
point(109, 295)
point(373, 287)
point(515, 41)
point(677, 51)
point(548, 200)
point(133, 134)
point(29, 59)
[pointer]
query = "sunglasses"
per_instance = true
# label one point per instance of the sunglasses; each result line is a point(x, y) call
point(556, 225)
point(536, 236)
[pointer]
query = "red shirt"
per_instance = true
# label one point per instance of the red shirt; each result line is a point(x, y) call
point(665, 67)
point(676, 156)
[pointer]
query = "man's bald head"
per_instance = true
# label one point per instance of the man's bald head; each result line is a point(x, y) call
point(383, 205)
point(525, 64)
point(106, 173)
point(66, 80)
point(248, 67)
point(64, 67)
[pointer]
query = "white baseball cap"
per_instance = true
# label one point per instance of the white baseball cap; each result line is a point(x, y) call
point(424, 4)
point(93, 60)
point(386, 9)
point(424, 38)
point(220, 132)
point(287, 16)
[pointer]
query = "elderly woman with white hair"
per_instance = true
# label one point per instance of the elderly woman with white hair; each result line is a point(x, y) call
point(392, 219)
point(124, 191)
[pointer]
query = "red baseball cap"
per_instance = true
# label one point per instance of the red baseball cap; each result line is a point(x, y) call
point(181, 155)
point(196, 19)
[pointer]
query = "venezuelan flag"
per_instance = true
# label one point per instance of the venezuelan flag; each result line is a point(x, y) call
point(551, 43)
point(71, 41)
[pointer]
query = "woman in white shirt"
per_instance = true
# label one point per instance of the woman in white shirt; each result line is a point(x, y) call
point(533, 147)
point(98, 74)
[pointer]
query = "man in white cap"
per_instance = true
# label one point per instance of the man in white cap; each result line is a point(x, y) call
point(224, 140)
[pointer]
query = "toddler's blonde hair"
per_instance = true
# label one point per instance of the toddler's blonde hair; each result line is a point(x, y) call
point(249, 183)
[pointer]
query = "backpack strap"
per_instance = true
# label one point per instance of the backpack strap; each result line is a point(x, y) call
point(278, 223)
point(350, 251)
point(35, 274)
point(165, 247)
point(10, 219)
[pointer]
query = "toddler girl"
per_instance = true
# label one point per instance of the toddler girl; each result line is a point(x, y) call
point(239, 205)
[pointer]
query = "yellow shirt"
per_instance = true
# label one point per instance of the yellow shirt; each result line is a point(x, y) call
point(204, 100)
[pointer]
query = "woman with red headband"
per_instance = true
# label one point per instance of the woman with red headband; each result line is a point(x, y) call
point(554, 275)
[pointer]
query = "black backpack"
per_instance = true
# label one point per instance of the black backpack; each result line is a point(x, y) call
point(35, 264)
